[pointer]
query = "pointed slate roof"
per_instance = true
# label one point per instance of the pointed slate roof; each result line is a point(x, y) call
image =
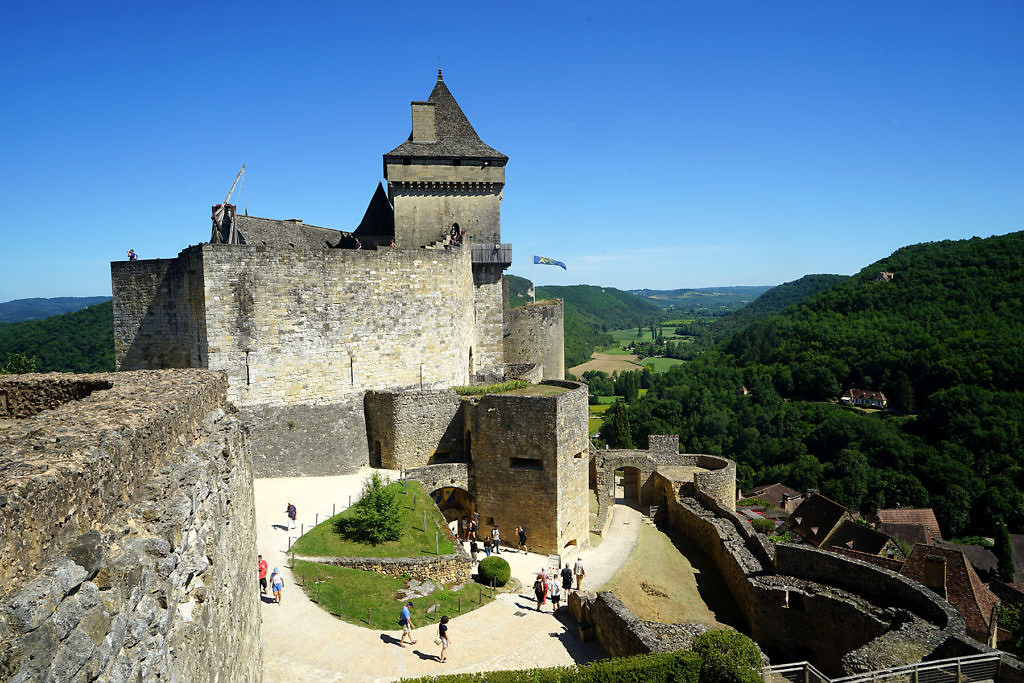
point(379, 219)
point(456, 138)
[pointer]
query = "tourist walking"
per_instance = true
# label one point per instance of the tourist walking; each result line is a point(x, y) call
point(487, 547)
point(472, 529)
point(496, 541)
point(261, 568)
point(291, 513)
point(276, 585)
point(540, 588)
point(473, 549)
point(579, 570)
point(405, 620)
point(555, 594)
point(521, 532)
point(443, 639)
point(567, 577)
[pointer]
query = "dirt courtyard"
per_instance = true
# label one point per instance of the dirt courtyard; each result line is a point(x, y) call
point(607, 362)
point(667, 579)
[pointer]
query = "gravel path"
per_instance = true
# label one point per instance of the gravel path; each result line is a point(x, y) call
point(303, 642)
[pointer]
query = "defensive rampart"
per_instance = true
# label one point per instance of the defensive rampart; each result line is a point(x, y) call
point(138, 564)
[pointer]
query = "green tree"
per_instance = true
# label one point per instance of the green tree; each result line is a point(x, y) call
point(18, 364)
point(615, 429)
point(375, 516)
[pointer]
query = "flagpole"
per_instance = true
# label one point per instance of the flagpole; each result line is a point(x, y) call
point(533, 281)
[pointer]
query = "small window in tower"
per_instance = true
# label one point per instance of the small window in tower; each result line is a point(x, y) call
point(526, 464)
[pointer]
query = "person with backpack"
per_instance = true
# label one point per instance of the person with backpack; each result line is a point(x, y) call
point(540, 588)
point(405, 621)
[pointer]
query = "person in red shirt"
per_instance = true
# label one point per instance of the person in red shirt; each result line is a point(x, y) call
point(261, 565)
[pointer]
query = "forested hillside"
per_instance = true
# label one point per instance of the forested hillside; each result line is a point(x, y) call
point(590, 312)
point(82, 341)
point(775, 300)
point(704, 300)
point(37, 309)
point(943, 338)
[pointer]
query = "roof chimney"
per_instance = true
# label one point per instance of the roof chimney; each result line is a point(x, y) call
point(423, 128)
point(935, 573)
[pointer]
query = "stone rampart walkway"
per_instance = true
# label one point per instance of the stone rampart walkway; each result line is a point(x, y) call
point(303, 642)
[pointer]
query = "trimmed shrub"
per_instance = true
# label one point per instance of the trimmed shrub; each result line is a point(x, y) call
point(494, 569)
point(728, 656)
point(375, 516)
point(763, 525)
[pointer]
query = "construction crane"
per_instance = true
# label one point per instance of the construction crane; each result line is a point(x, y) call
point(219, 213)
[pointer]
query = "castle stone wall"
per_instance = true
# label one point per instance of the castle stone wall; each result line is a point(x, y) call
point(413, 428)
point(488, 352)
point(159, 318)
point(307, 440)
point(523, 480)
point(536, 335)
point(294, 327)
point(139, 565)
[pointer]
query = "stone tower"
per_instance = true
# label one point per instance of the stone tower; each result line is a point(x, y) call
point(442, 175)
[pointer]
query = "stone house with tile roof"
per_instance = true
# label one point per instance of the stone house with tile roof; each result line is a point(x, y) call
point(948, 572)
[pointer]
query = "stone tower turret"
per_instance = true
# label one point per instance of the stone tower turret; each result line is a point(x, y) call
point(444, 174)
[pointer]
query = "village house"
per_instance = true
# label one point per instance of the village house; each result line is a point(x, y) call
point(864, 398)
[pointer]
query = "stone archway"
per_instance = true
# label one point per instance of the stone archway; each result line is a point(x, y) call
point(453, 502)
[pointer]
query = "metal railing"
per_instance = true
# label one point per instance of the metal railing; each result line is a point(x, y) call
point(982, 667)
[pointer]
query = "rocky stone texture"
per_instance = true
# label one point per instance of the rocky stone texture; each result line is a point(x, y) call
point(307, 440)
point(535, 335)
point(148, 572)
point(413, 428)
point(538, 478)
point(454, 568)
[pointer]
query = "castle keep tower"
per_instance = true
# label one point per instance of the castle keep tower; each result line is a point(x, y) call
point(442, 175)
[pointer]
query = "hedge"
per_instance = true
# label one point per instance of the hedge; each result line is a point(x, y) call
point(682, 666)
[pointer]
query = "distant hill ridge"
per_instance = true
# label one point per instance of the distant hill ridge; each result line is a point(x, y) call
point(37, 309)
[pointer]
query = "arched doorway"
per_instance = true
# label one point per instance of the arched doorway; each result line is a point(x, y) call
point(453, 502)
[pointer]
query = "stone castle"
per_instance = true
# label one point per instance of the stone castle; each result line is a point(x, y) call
point(284, 349)
point(340, 347)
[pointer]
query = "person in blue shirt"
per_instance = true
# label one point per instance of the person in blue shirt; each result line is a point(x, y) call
point(406, 622)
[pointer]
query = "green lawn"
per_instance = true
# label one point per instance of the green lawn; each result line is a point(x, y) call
point(606, 400)
point(661, 364)
point(415, 542)
point(369, 599)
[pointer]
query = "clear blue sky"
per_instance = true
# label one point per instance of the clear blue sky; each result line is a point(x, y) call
point(652, 145)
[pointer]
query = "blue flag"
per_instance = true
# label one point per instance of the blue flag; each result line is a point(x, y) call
point(548, 261)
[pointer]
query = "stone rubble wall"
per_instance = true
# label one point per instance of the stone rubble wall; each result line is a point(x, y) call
point(20, 399)
point(149, 574)
point(445, 569)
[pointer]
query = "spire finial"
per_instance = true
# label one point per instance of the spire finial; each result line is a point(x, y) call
point(440, 78)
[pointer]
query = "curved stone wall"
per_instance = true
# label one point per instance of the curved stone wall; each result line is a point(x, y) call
point(535, 335)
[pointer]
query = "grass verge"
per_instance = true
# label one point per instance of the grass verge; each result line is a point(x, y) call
point(370, 599)
point(324, 540)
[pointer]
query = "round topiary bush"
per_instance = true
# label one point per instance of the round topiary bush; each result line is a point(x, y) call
point(763, 525)
point(494, 569)
point(728, 656)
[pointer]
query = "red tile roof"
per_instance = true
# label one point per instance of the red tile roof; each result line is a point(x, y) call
point(964, 590)
point(923, 516)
